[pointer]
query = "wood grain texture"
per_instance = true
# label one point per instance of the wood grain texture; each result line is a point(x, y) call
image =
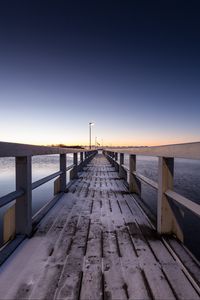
point(96, 243)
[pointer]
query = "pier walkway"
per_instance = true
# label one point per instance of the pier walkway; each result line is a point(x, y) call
point(97, 243)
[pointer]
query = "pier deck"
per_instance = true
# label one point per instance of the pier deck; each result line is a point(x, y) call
point(96, 243)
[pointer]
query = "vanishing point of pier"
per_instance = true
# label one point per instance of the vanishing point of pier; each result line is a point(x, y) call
point(93, 240)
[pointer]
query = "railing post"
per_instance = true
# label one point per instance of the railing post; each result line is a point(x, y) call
point(122, 172)
point(121, 159)
point(80, 167)
point(75, 159)
point(63, 175)
point(74, 171)
point(166, 220)
point(115, 163)
point(81, 156)
point(24, 203)
point(134, 183)
point(116, 156)
point(113, 157)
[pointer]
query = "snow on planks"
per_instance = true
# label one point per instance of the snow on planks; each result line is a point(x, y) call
point(96, 244)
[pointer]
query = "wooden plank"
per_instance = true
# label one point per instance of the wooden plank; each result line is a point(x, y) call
point(58, 255)
point(188, 260)
point(46, 286)
point(10, 197)
point(114, 284)
point(179, 282)
point(65, 239)
point(92, 270)
point(148, 181)
point(23, 206)
point(134, 183)
point(135, 285)
point(16, 149)
point(187, 150)
point(9, 224)
point(10, 248)
point(56, 186)
point(40, 182)
point(154, 279)
point(44, 226)
point(58, 241)
point(69, 285)
point(165, 260)
point(185, 202)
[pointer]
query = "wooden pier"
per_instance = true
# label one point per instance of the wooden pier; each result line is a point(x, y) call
point(93, 240)
point(97, 243)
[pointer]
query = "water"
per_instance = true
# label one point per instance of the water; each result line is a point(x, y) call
point(42, 166)
point(186, 182)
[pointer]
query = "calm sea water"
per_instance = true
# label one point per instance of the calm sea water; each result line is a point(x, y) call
point(186, 182)
point(41, 166)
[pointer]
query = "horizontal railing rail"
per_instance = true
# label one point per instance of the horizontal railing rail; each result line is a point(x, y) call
point(147, 180)
point(10, 197)
point(23, 194)
point(186, 150)
point(14, 149)
point(185, 202)
point(166, 219)
point(70, 167)
point(125, 167)
point(4, 200)
point(40, 182)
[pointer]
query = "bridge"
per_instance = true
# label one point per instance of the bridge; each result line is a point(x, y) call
point(94, 240)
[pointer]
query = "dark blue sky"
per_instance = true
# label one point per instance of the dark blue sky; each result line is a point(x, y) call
point(133, 67)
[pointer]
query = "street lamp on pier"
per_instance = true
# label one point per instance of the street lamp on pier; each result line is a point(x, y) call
point(90, 133)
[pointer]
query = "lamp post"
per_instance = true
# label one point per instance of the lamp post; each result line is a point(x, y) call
point(90, 132)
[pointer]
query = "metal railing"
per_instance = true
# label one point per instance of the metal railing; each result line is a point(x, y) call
point(24, 221)
point(167, 222)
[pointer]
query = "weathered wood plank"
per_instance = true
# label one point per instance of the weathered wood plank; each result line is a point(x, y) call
point(57, 249)
point(92, 269)
point(69, 285)
point(154, 279)
point(188, 261)
point(135, 285)
point(114, 284)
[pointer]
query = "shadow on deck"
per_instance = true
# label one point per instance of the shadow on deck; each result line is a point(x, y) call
point(96, 243)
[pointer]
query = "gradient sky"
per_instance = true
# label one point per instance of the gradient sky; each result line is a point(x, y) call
point(132, 67)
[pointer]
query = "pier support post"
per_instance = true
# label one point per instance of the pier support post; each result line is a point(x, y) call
point(85, 155)
point(122, 171)
point(81, 156)
point(116, 156)
point(134, 183)
point(81, 162)
point(24, 203)
point(113, 158)
point(166, 220)
point(63, 175)
point(115, 163)
point(74, 171)
point(121, 159)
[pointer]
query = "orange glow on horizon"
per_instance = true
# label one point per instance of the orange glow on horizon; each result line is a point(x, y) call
point(143, 141)
point(129, 144)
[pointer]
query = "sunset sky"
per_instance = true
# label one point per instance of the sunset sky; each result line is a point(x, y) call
point(132, 67)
